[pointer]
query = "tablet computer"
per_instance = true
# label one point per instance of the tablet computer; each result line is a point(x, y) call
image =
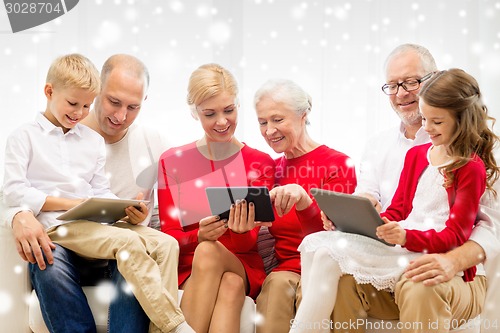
point(349, 213)
point(103, 210)
point(221, 198)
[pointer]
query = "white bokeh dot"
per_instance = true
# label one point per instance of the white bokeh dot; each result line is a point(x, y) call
point(105, 292)
point(176, 6)
point(130, 14)
point(62, 231)
point(219, 32)
point(124, 255)
point(5, 302)
point(203, 11)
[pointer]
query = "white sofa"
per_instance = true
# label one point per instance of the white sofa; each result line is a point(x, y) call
point(20, 311)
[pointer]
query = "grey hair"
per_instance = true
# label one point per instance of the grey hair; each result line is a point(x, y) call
point(426, 58)
point(285, 91)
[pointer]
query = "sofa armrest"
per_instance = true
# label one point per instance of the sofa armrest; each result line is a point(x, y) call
point(15, 287)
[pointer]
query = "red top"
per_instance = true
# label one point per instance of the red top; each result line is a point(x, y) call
point(463, 197)
point(321, 168)
point(183, 175)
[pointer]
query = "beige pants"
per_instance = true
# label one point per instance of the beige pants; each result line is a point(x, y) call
point(490, 320)
point(147, 259)
point(419, 308)
point(278, 302)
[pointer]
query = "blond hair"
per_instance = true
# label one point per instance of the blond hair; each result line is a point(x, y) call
point(210, 80)
point(74, 71)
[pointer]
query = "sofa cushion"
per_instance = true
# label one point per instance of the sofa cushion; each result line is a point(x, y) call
point(265, 247)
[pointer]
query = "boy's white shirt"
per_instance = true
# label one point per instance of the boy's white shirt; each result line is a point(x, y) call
point(41, 160)
point(145, 146)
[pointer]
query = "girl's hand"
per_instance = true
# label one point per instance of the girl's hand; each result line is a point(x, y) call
point(211, 228)
point(286, 196)
point(242, 217)
point(375, 203)
point(327, 224)
point(391, 232)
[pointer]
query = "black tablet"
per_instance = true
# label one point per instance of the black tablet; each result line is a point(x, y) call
point(349, 213)
point(221, 198)
point(103, 210)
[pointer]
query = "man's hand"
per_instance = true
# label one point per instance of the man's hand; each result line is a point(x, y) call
point(431, 269)
point(32, 240)
point(134, 215)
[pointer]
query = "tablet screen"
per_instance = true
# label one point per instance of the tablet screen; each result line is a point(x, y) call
point(221, 198)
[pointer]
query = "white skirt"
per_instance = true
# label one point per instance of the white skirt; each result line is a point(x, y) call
point(367, 260)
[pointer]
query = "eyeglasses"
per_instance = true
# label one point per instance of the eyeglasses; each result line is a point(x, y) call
point(408, 85)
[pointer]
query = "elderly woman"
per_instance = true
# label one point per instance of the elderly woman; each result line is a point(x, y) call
point(282, 109)
point(218, 262)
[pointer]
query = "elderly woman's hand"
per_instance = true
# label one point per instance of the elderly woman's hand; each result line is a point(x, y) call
point(286, 196)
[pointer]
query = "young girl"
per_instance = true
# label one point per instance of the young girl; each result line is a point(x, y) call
point(436, 201)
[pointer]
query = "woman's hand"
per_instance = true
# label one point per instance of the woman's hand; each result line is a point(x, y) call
point(211, 228)
point(327, 224)
point(286, 196)
point(242, 217)
point(391, 232)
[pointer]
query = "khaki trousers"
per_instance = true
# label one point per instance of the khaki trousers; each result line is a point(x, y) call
point(278, 301)
point(147, 259)
point(490, 320)
point(419, 308)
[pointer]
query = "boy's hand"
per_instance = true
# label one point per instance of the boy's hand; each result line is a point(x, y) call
point(32, 241)
point(391, 232)
point(136, 216)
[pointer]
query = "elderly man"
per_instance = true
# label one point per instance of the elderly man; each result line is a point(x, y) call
point(423, 295)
